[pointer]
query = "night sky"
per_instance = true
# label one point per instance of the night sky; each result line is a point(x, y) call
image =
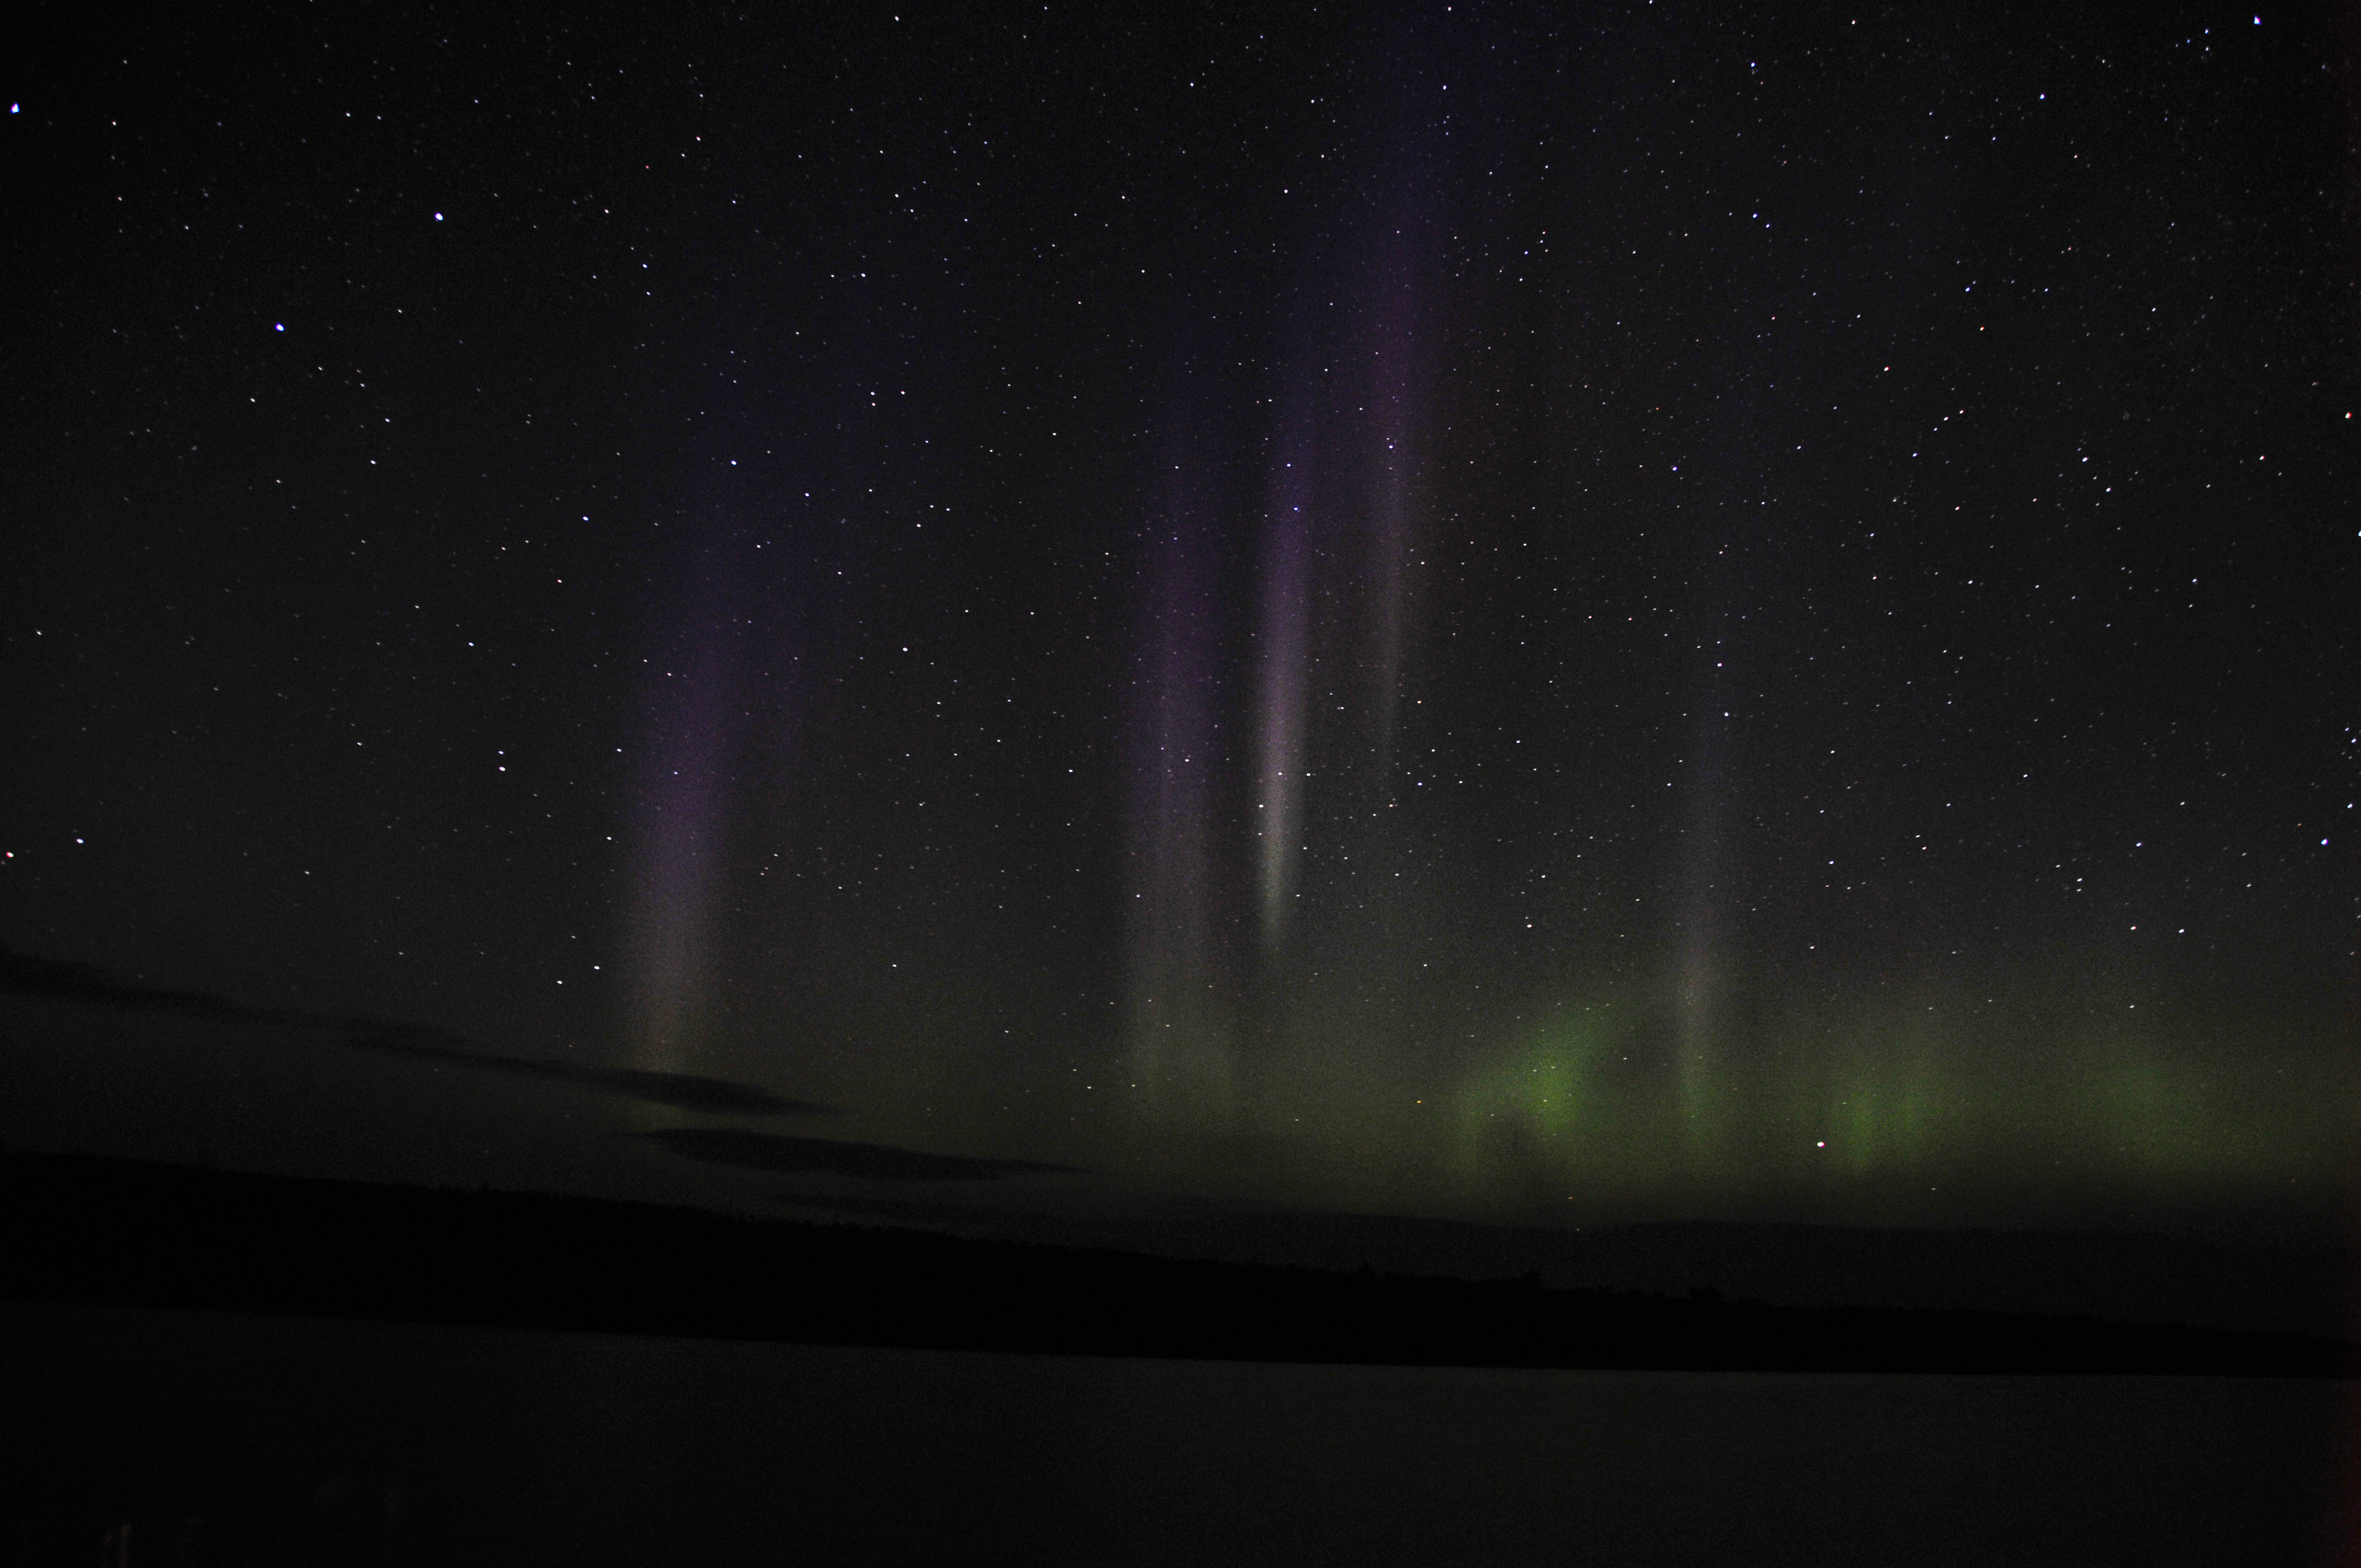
point(1514, 611)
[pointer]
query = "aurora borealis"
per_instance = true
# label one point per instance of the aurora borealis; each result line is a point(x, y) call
point(1503, 611)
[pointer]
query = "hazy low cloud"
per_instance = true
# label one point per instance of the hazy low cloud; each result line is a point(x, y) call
point(875, 1162)
point(29, 976)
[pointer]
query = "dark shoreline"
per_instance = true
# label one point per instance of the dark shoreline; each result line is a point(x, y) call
point(81, 1229)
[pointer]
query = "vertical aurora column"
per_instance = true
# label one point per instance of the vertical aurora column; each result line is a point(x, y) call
point(1179, 1023)
point(1697, 1002)
point(1703, 870)
point(1403, 252)
point(1286, 675)
point(681, 829)
point(1389, 504)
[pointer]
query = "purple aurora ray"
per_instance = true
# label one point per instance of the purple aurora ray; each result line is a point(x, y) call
point(1180, 1017)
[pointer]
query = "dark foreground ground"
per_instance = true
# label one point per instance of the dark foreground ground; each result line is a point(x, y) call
point(147, 1437)
point(99, 1232)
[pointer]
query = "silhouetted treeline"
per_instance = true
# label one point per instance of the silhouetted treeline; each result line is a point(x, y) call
point(84, 1229)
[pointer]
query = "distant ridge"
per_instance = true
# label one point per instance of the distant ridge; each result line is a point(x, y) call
point(92, 1230)
point(2145, 1278)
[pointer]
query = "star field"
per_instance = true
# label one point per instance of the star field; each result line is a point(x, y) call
point(1670, 609)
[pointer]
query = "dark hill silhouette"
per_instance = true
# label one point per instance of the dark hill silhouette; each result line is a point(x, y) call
point(2192, 1281)
point(83, 1229)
